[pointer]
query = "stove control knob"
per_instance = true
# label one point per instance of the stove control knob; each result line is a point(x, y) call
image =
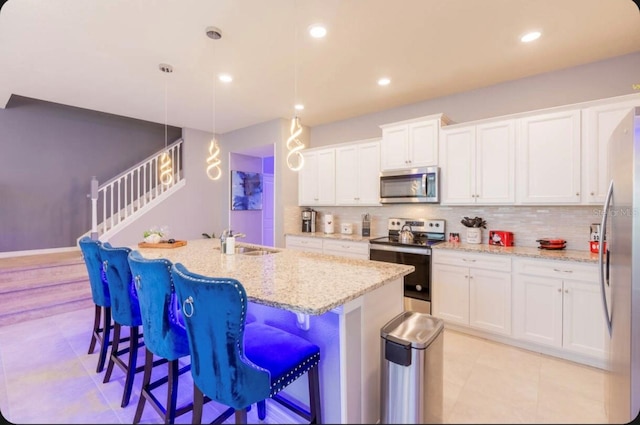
point(437, 224)
point(430, 224)
point(418, 287)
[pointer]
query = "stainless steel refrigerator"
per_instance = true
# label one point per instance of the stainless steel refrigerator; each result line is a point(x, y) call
point(620, 271)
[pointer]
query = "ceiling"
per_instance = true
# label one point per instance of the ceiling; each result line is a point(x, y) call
point(105, 55)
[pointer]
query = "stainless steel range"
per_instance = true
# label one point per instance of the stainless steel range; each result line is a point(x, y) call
point(413, 248)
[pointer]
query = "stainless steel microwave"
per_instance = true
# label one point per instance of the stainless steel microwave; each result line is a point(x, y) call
point(409, 186)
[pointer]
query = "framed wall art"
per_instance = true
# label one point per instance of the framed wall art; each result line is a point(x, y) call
point(246, 190)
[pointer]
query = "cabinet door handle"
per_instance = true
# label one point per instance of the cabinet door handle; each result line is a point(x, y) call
point(559, 290)
point(566, 291)
point(563, 271)
point(577, 193)
point(468, 260)
point(592, 193)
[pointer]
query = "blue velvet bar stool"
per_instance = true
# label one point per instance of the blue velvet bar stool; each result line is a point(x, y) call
point(100, 293)
point(235, 363)
point(125, 311)
point(164, 334)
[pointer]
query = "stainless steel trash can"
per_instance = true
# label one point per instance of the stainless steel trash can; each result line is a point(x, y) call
point(411, 372)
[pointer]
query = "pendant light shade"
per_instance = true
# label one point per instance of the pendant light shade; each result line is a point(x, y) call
point(214, 172)
point(213, 162)
point(295, 159)
point(166, 164)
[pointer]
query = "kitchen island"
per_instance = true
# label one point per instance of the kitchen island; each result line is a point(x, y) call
point(337, 303)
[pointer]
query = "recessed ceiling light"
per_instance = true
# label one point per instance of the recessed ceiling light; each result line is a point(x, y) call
point(299, 107)
point(225, 78)
point(317, 31)
point(384, 81)
point(534, 35)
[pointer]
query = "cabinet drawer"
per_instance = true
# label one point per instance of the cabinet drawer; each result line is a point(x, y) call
point(558, 269)
point(478, 261)
point(357, 248)
point(299, 242)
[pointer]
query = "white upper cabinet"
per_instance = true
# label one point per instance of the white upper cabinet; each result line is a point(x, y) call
point(548, 147)
point(477, 163)
point(358, 174)
point(598, 124)
point(411, 143)
point(458, 165)
point(316, 179)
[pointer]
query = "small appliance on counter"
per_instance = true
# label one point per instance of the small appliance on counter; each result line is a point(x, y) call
point(594, 239)
point(552, 243)
point(501, 238)
point(346, 228)
point(309, 220)
point(366, 224)
point(328, 223)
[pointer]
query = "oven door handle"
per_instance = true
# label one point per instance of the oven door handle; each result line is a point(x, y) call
point(404, 249)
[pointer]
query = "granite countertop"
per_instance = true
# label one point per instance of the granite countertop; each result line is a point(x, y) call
point(353, 237)
point(303, 282)
point(518, 251)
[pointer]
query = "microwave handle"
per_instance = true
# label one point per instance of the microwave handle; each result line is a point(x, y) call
point(424, 184)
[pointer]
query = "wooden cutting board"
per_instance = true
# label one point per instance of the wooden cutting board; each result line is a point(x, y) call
point(165, 245)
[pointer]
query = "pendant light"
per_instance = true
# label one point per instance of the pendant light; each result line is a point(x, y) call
point(166, 166)
point(295, 159)
point(214, 172)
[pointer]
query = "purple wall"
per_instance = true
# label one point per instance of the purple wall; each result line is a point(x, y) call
point(247, 222)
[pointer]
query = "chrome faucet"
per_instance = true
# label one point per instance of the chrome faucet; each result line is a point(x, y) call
point(228, 233)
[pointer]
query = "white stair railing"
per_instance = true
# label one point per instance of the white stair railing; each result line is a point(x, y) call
point(117, 201)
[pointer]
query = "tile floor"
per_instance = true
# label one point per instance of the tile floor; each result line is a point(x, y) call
point(48, 377)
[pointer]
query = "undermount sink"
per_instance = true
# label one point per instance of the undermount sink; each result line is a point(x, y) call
point(244, 249)
point(258, 252)
point(248, 250)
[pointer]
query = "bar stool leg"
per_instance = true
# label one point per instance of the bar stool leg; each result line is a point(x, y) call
point(134, 337)
point(106, 331)
point(146, 379)
point(96, 328)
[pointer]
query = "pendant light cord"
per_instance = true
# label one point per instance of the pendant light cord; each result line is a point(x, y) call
point(295, 55)
point(213, 91)
point(214, 172)
point(165, 110)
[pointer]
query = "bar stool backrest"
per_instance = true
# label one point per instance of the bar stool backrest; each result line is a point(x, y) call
point(97, 278)
point(162, 323)
point(125, 308)
point(214, 312)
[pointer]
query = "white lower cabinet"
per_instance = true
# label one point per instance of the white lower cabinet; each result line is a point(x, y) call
point(359, 250)
point(472, 290)
point(341, 248)
point(302, 243)
point(557, 303)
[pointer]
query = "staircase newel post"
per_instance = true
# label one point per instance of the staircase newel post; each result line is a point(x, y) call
point(94, 208)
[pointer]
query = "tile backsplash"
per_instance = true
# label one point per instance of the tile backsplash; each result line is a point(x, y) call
point(528, 223)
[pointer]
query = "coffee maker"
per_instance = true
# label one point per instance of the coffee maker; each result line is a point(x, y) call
point(309, 220)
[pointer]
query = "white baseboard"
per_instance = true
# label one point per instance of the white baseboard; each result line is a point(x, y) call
point(37, 252)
